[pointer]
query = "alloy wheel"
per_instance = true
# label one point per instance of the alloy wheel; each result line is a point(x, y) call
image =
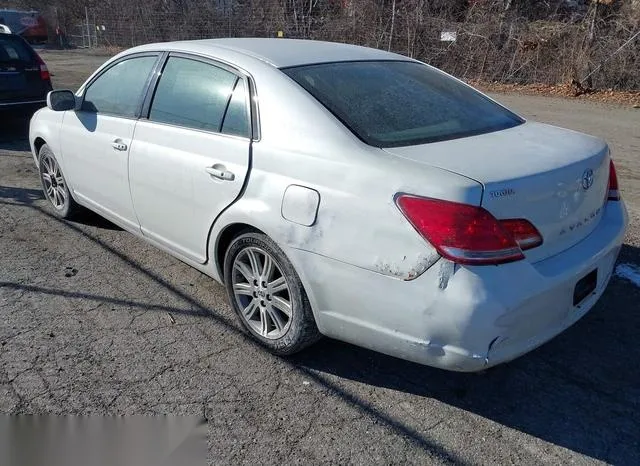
point(53, 182)
point(262, 293)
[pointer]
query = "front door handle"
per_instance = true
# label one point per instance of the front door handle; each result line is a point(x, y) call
point(119, 145)
point(220, 171)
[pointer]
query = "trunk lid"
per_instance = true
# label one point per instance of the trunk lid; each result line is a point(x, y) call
point(555, 178)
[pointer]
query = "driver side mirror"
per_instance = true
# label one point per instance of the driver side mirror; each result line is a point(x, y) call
point(59, 101)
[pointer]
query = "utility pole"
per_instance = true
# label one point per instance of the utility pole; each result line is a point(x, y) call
point(86, 13)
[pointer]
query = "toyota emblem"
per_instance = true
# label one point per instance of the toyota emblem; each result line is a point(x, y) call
point(587, 179)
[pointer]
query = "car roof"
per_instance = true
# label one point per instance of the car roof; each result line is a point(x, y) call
point(280, 53)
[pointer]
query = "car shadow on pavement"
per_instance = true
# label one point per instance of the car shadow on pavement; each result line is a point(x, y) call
point(578, 391)
point(90, 218)
point(21, 195)
point(29, 196)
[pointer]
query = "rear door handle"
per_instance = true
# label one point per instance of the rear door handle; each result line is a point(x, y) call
point(220, 171)
point(119, 145)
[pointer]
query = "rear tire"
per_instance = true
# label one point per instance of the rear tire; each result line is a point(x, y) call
point(54, 185)
point(267, 295)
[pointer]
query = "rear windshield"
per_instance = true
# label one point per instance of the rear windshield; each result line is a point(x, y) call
point(14, 49)
point(398, 103)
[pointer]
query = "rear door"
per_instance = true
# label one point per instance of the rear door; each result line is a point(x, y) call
point(20, 78)
point(96, 139)
point(190, 157)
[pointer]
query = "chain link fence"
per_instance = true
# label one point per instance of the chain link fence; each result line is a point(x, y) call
point(84, 35)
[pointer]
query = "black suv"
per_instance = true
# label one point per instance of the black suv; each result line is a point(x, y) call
point(24, 78)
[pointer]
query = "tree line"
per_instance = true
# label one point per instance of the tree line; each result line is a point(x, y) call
point(511, 41)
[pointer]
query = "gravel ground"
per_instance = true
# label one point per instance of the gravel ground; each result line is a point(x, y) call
point(94, 321)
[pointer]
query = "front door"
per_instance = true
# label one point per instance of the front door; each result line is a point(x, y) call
point(96, 140)
point(190, 158)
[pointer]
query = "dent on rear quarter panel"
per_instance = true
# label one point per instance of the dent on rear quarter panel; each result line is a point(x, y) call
point(357, 220)
point(366, 232)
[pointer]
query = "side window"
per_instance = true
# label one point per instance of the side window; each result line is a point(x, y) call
point(236, 120)
point(193, 94)
point(118, 91)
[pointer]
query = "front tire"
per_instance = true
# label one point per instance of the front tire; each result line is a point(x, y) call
point(54, 184)
point(267, 295)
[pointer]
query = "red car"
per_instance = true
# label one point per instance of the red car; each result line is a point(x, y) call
point(28, 24)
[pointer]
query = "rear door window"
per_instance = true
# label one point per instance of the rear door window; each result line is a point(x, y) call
point(119, 90)
point(236, 120)
point(197, 95)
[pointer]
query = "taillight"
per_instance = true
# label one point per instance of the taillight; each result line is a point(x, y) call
point(614, 193)
point(526, 235)
point(44, 71)
point(468, 234)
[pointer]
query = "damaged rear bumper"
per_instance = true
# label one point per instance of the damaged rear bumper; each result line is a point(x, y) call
point(461, 318)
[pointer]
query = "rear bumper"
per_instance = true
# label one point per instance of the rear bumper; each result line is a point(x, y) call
point(461, 318)
point(38, 103)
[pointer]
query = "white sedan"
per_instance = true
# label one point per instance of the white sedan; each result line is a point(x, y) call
point(342, 191)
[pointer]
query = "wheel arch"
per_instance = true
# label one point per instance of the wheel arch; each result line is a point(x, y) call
point(36, 145)
point(38, 142)
point(224, 239)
